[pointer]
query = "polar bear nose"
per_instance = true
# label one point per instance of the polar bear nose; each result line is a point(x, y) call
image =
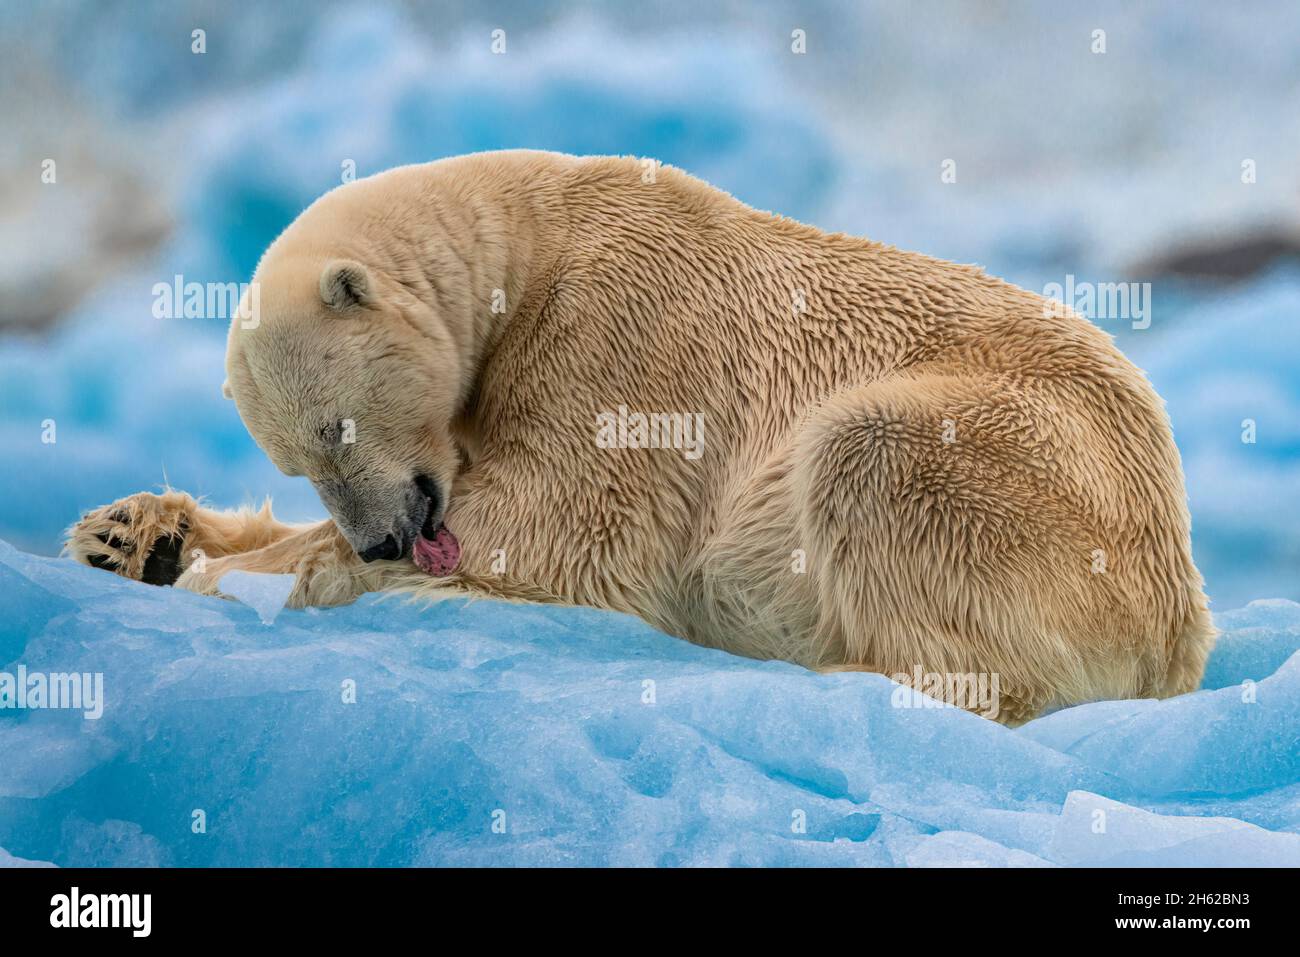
point(388, 549)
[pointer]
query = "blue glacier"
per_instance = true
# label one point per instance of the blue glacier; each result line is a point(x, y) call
point(479, 732)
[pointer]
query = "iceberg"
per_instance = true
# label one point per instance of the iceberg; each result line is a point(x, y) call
point(479, 732)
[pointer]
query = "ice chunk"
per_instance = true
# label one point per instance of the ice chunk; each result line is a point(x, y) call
point(1230, 741)
point(8, 860)
point(1097, 832)
point(265, 594)
point(1257, 639)
point(960, 849)
point(28, 608)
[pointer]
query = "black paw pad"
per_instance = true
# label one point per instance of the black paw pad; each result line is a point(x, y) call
point(163, 566)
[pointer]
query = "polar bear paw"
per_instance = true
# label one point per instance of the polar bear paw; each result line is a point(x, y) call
point(141, 537)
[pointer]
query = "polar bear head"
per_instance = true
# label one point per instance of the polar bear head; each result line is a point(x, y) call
point(344, 375)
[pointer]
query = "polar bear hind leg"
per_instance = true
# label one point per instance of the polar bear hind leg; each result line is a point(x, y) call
point(953, 528)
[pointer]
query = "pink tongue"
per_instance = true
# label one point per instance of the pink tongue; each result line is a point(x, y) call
point(437, 556)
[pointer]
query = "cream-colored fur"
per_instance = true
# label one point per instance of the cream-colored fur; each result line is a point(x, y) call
point(906, 462)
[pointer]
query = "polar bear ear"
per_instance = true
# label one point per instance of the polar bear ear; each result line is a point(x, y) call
point(345, 283)
point(225, 390)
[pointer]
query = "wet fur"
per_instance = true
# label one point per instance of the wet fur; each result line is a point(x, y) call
point(825, 432)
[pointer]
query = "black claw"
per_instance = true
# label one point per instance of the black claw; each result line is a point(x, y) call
point(102, 561)
point(163, 566)
point(121, 516)
point(126, 548)
point(112, 541)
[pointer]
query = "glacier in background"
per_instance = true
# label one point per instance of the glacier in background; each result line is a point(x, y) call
point(236, 143)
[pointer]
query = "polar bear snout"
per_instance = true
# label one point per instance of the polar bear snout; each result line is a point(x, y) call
point(382, 523)
point(388, 550)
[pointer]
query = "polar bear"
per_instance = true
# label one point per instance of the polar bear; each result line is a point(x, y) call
point(488, 367)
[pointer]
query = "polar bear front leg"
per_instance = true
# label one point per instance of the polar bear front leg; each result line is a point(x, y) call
point(155, 538)
point(326, 568)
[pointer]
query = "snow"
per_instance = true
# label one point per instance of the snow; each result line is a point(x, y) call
point(391, 733)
